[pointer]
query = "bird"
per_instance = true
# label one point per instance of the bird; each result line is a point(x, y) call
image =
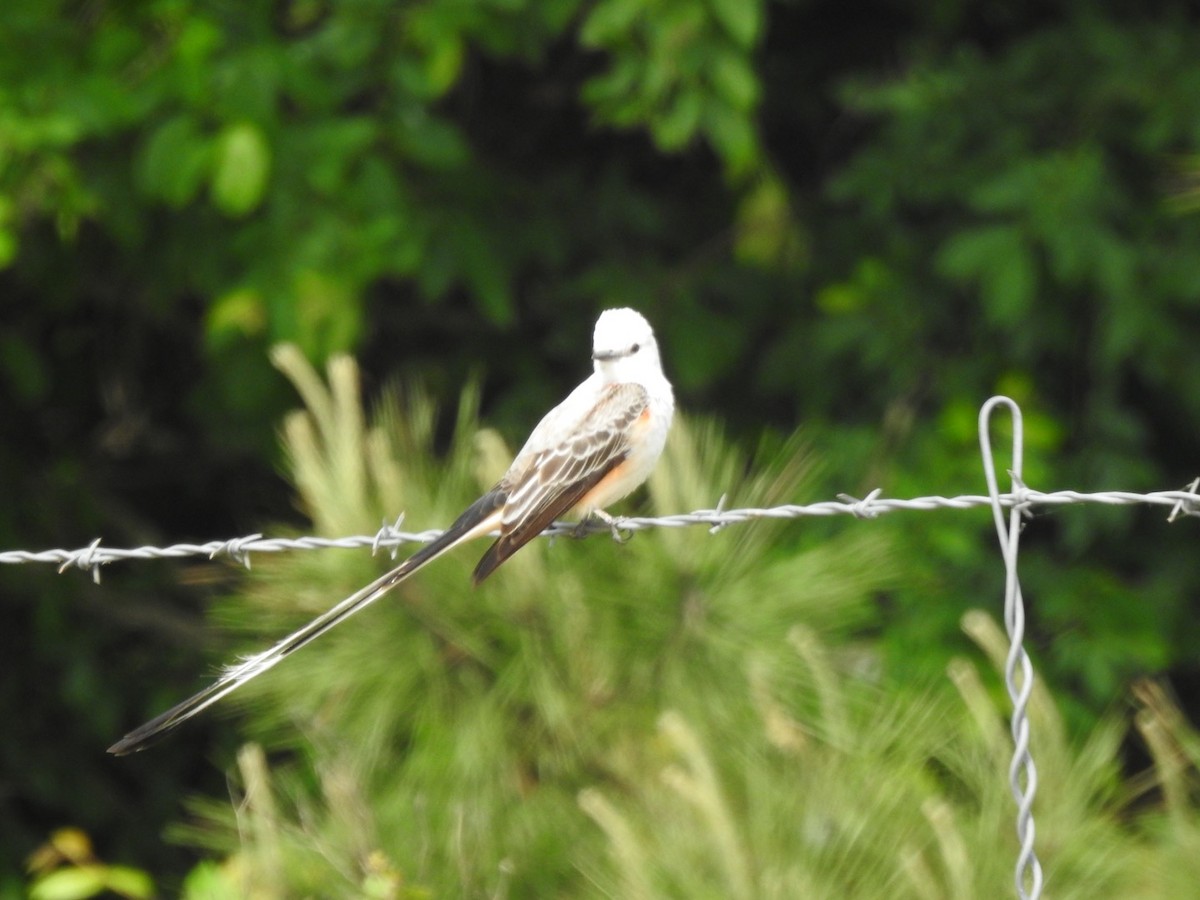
point(593, 449)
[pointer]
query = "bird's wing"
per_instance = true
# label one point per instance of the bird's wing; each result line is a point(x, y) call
point(543, 485)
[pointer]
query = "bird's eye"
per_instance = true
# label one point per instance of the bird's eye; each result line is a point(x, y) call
point(635, 348)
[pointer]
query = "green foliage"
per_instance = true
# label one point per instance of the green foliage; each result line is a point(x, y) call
point(681, 69)
point(317, 136)
point(687, 715)
point(1050, 267)
point(1038, 196)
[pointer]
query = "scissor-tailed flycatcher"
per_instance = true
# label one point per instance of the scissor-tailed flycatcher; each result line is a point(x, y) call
point(589, 451)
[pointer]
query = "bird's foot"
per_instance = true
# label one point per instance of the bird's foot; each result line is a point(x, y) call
point(619, 535)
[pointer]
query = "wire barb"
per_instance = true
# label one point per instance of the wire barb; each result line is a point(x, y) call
point(87, 558)
point(388, 536)
point(1185, 506)
point(1020, 495)
point(235, 549)
point(864, 508)
point(717, 511)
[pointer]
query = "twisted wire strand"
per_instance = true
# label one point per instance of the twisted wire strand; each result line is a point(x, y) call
point(1022, 772)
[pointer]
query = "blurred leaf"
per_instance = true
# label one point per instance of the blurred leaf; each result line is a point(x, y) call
point(766, 231)
point(241, 166)
point(435, 62)
point(74, 883)
point(996, 258)
point(740, 18)
point(734, 138)
point(198, 39)
point(210, 881)
point(9, 246)
point(129, 882)
point(71, 845)
point(609, 21)
point(240, 313)
point(175, 161)
point(678, 125)
point(431, 142)
point(733, 78)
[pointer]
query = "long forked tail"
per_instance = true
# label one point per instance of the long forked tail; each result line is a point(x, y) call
point(482, 517)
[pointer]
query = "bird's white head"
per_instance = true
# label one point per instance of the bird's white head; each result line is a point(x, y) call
point(623, 348)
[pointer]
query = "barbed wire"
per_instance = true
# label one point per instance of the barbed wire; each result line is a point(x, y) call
point(390, 537)
point(1019, 502)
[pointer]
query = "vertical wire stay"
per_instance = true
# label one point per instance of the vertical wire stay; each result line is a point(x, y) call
point(1018, 670)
